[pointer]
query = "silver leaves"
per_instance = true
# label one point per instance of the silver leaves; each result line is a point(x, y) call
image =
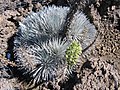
point(82, 30)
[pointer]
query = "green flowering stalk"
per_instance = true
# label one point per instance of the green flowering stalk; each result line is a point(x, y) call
point(73, 52)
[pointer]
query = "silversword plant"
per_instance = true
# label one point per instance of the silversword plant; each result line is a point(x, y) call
point(41, 52)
